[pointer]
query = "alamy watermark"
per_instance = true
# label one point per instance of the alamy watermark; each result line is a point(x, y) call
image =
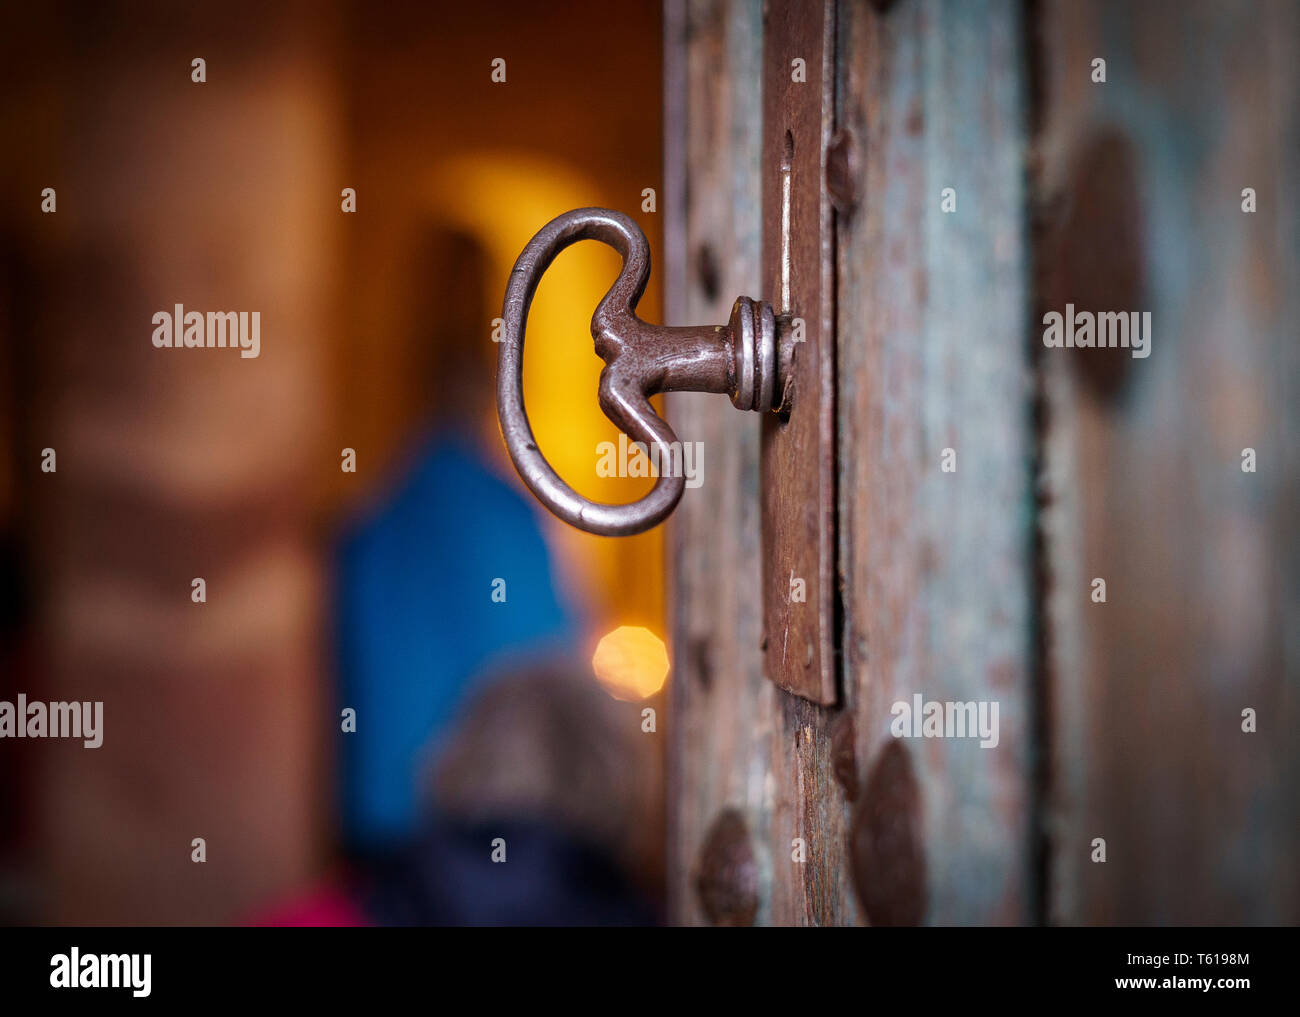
point(182, 329)
point(946, 719)
point(634, 459)
point(1130, 330)
point(53, 720)
point(77, 970)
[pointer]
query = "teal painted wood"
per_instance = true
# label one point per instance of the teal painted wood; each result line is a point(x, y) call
point(934, 567)
point(932, 356)
point(963, 587)
point(1145, 486)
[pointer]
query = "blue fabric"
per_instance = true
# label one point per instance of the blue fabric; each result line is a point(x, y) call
point(418, 626)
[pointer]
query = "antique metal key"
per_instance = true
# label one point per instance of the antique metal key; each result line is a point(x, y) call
point(750, 359)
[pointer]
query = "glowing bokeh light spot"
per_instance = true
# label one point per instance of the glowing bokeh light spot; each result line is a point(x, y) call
point(631, 662)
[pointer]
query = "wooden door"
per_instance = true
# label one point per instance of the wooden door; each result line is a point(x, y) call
point(986, 175)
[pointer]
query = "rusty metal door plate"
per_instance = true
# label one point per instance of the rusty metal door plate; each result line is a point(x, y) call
point(797, 485)
point(775, 360)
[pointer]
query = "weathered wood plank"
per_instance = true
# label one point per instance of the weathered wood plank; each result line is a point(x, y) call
point(935, 570)
point(742, 747)
point(1141, 181)
point(945, 593)
point(936, 566)
point(722, 714)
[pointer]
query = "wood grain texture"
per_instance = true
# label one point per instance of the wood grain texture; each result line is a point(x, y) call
point(720, 754)
point(738, 741)
point(936, 567)
point(1144, 481)
point(1119, 720)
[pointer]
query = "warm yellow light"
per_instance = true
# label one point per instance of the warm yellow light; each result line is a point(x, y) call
point(631, 662)
point(502, 198)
